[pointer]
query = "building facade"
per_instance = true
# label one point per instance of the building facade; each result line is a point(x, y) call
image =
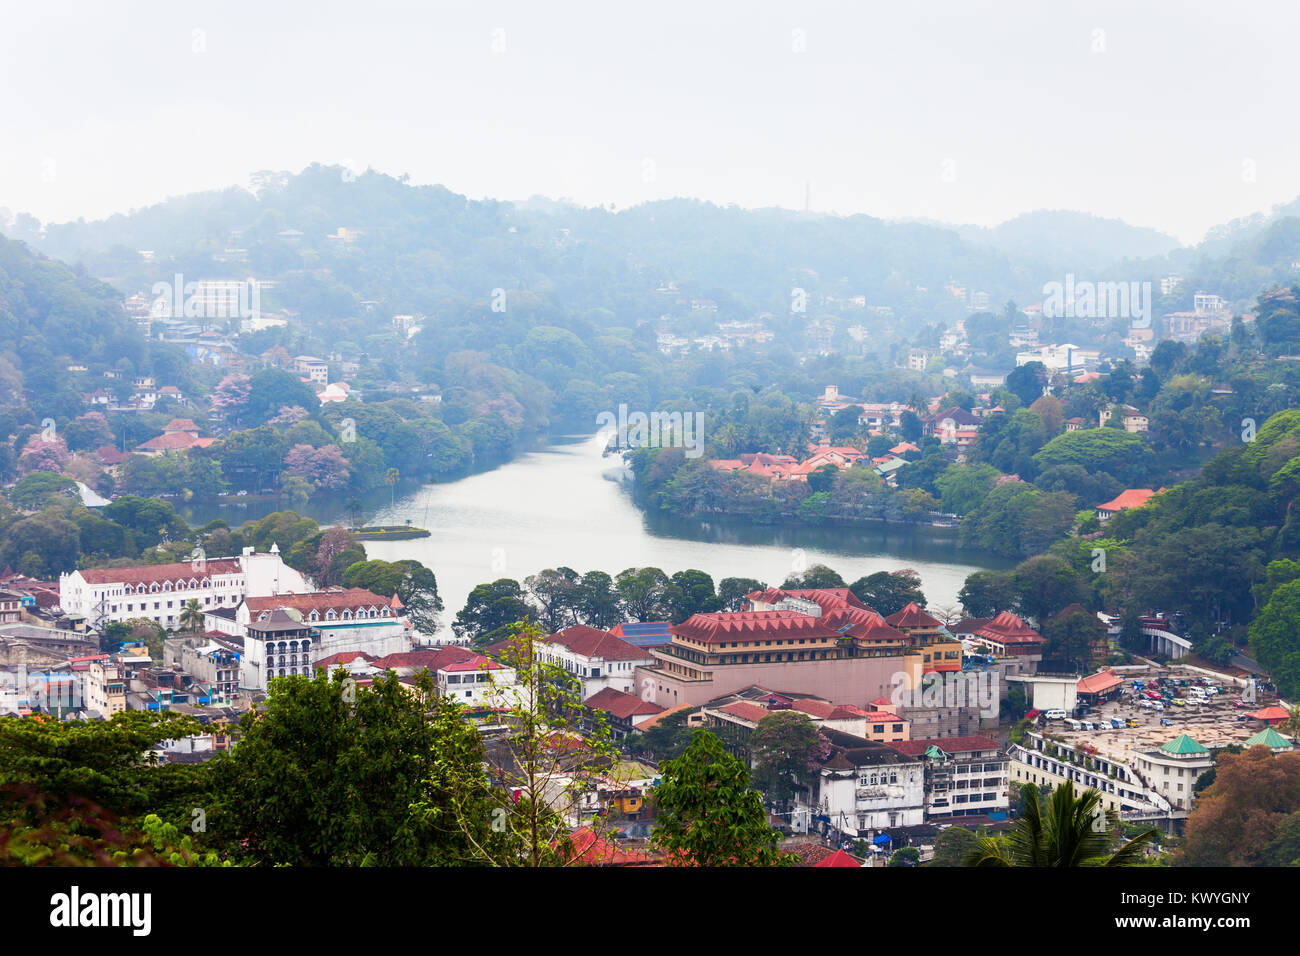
point(161, 592)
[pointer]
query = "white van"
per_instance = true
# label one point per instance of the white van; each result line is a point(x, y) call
point(1055, 715)
point(1073, 724)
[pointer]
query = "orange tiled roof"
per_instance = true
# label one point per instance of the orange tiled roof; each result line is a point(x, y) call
point(1130, 498)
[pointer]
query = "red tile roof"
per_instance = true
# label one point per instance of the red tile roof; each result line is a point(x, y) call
point(912, 616)
point(591, 849)
point(478, 663)
point(350, 599)
point(344, 657)
point(951, 745)
point(839, 859)
point(621, 705)
point(1007, 628)
point(820, 709)
point(434, 659)
point(1099, 683)
point(161, 573)
point(746, 710)
point(1270, 714)
point(828, 599)
point(590, 642)
point(809, 853)
point(1130, 498)
point(171, 441)
point(743, 626)
point(847, 711)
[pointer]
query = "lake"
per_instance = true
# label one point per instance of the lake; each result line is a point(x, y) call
point(566, 505)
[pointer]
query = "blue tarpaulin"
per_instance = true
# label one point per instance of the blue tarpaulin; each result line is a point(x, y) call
point(883, 838)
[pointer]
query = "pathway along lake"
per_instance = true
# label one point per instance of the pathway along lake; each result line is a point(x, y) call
point(566, 505)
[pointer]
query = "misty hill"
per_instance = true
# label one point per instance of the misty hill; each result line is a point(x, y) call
point(51, 318)
point(1064, 241)
point(422, 243)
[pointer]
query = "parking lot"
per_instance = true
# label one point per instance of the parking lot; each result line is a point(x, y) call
point(1213, 719)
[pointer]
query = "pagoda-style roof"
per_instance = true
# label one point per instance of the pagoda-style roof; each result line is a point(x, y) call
point(1183, 746)
point(1270, 738)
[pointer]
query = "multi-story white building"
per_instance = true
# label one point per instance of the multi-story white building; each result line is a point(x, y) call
point(1050, 762)
point(323, 623)
point(597, 658)
point(314, 369)
point(964, 776)
point(865, 785)
point(160, 592)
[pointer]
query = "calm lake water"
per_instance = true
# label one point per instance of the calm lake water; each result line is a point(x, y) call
point(566, 505)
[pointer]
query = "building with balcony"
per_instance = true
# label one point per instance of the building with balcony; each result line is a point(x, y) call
point(351, 619)
point(278, 644)
point(964, 776)
point(864, 785)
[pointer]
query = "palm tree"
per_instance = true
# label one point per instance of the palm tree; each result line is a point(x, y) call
point(391, 477)
point(192, 615)
point(1066, 836)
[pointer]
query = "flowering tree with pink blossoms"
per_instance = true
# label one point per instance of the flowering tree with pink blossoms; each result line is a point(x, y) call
point(231, 395)
point(324, 468)
point(43, 453)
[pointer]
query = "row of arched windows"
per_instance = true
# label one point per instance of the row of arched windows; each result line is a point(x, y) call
point(154, 587)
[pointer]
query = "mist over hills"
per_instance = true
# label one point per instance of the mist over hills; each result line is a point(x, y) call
point(426, 242)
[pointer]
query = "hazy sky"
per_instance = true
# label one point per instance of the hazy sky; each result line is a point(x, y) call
point(1176, 115)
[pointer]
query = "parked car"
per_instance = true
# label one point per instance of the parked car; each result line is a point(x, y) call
point(1116, 723)
point(1239, 703)
point(1179, 702)
point(1132, 722)
point(1055, 715)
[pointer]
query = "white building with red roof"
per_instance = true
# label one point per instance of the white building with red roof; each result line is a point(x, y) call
point(1129, 498)
point(160, 592)
point(351, 619)
point(595, 657)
